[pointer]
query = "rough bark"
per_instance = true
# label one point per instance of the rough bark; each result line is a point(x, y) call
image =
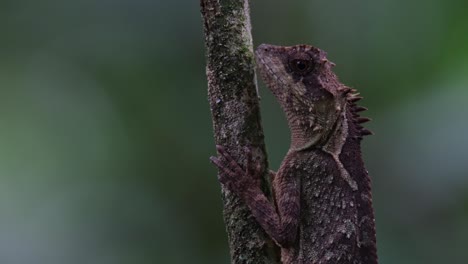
point(234, 103)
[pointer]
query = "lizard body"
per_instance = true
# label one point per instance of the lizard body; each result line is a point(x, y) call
point(322, 211)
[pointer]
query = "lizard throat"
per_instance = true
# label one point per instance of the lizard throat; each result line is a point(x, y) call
point(315, 128)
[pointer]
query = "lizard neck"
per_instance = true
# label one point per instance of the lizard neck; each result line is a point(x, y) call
point(316, 126)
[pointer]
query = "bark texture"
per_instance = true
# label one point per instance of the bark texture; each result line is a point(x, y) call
point(234, 103)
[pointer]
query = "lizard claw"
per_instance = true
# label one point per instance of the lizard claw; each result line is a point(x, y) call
point(221, 167)
point(231, 175)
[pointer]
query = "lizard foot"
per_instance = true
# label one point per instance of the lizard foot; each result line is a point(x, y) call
point(232, 175)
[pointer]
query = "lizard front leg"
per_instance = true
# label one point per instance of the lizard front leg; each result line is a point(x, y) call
point(279, 223)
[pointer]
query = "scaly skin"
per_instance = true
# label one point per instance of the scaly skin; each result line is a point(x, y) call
point(322, 212)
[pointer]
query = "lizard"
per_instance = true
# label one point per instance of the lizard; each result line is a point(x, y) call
point(321, 211)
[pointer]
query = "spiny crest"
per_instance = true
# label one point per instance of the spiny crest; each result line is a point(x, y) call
point(352, 96)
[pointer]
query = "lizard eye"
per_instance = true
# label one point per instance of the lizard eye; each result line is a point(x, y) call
point(300, 65)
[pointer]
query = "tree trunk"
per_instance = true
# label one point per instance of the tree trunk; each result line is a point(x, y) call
point(234, 103)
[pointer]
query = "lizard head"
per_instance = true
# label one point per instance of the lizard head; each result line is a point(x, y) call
point(309, 92)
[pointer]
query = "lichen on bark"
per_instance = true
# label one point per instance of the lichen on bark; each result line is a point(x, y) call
point(234, 104)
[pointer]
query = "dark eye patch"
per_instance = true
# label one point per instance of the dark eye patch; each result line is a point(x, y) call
point(300, 63)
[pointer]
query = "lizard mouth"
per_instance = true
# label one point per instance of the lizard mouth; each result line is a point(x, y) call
point(264, 48)
point(269, 66)
point(271, 63)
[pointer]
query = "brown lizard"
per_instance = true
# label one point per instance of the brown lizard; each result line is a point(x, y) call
point(322, 210)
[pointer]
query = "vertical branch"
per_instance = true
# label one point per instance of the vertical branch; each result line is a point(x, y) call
point(234, 103)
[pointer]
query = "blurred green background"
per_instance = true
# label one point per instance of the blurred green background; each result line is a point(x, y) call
point(105, 129)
